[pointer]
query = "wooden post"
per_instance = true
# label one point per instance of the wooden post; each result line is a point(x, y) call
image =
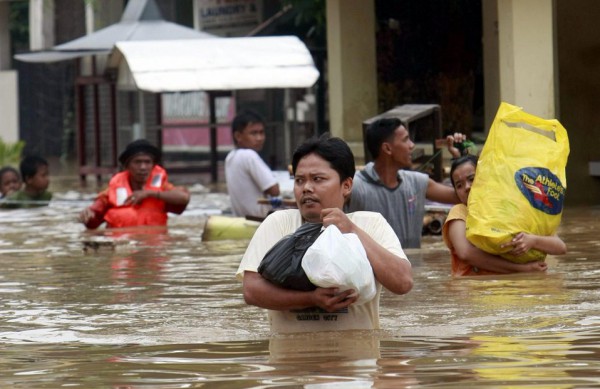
point(214, 175)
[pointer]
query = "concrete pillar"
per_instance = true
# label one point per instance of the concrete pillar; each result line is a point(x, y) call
point(41, 24)
point(9, 108)
point(4, 36)
point(9, 111)
point(97, 18)
point(491, 62)
point(527, 60)
point(352, 69)
point(89, 18)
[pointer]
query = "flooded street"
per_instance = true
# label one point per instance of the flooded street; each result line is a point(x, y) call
point(161, 309)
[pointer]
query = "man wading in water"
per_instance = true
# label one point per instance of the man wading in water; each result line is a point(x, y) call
point(323, 169)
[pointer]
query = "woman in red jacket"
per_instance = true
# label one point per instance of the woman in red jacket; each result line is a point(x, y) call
point(140, 195)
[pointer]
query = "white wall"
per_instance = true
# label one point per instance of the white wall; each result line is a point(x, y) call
point(4, 36)
point(9, 108)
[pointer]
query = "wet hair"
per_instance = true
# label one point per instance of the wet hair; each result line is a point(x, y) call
point(469, 158)
point(242, 119)
point(140, 146)
point(333, 150)
point(380, 131)
point(8, 169)
point(29, 166)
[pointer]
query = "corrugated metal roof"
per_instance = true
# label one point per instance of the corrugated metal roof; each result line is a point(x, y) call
point(141, 21)
point(106, 38)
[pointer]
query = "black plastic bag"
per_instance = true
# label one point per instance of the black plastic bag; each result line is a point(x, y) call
point(282, 264)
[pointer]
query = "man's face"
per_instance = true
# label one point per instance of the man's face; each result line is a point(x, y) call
point(251, 137)
point(317, 186)
point(400, 147)
point(139, 167)
point(40, 180)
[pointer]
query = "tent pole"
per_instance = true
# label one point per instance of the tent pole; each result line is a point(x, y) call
point(79, 97)
point(113, 121)
point(142, 117)
point(159, 121)
point(212, 97)
point(97, 138)
point(287, 130)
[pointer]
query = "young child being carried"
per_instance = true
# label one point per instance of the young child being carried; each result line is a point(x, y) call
point(468, 260)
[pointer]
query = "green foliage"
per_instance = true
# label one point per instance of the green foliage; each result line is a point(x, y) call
point(312, 11)
point(18, 25)
point(312, 15)
point(10, 153)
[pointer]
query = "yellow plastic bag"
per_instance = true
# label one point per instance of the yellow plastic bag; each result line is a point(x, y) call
point(520, 182)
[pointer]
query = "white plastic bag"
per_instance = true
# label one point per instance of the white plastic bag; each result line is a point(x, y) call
point(339, 260)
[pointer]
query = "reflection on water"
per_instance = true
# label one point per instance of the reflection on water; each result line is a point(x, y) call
point(160, 308)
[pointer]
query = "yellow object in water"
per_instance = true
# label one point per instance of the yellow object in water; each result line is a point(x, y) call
point(218, 227)
point(520, 182)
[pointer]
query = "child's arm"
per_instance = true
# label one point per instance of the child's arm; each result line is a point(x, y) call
point(465, 251)
point(524, 242)
point(457, 137)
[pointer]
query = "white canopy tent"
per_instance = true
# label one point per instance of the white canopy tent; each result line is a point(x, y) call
point(213, 64)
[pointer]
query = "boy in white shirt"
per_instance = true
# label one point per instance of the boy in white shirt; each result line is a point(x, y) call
point(248, 177)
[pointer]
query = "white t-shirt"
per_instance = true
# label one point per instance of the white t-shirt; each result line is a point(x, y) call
point(355, 317)
point(247, 177)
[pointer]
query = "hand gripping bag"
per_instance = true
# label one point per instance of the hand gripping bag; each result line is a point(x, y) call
point(282, 264)
point(520, 182)
point(339, 260)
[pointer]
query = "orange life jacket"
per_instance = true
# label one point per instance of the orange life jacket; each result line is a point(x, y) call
point(151, 212)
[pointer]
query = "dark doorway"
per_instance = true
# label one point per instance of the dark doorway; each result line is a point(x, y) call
point(430, 52)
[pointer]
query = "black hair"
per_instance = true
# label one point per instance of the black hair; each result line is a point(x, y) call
point(7, 169)
point(379, 132)
point(461, 161)
point(29, 166)
point(333, 150)
point(140, 146)
point(242, 119)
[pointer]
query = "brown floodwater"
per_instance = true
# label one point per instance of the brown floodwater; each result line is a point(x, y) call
point(161, 309)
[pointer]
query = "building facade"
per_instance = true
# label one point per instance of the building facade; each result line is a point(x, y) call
point(537, 54)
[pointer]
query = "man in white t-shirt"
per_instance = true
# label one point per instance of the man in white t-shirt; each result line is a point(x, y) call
point(248, 177)
point(323, 169)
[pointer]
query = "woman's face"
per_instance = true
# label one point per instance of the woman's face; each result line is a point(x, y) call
point(463, 177)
